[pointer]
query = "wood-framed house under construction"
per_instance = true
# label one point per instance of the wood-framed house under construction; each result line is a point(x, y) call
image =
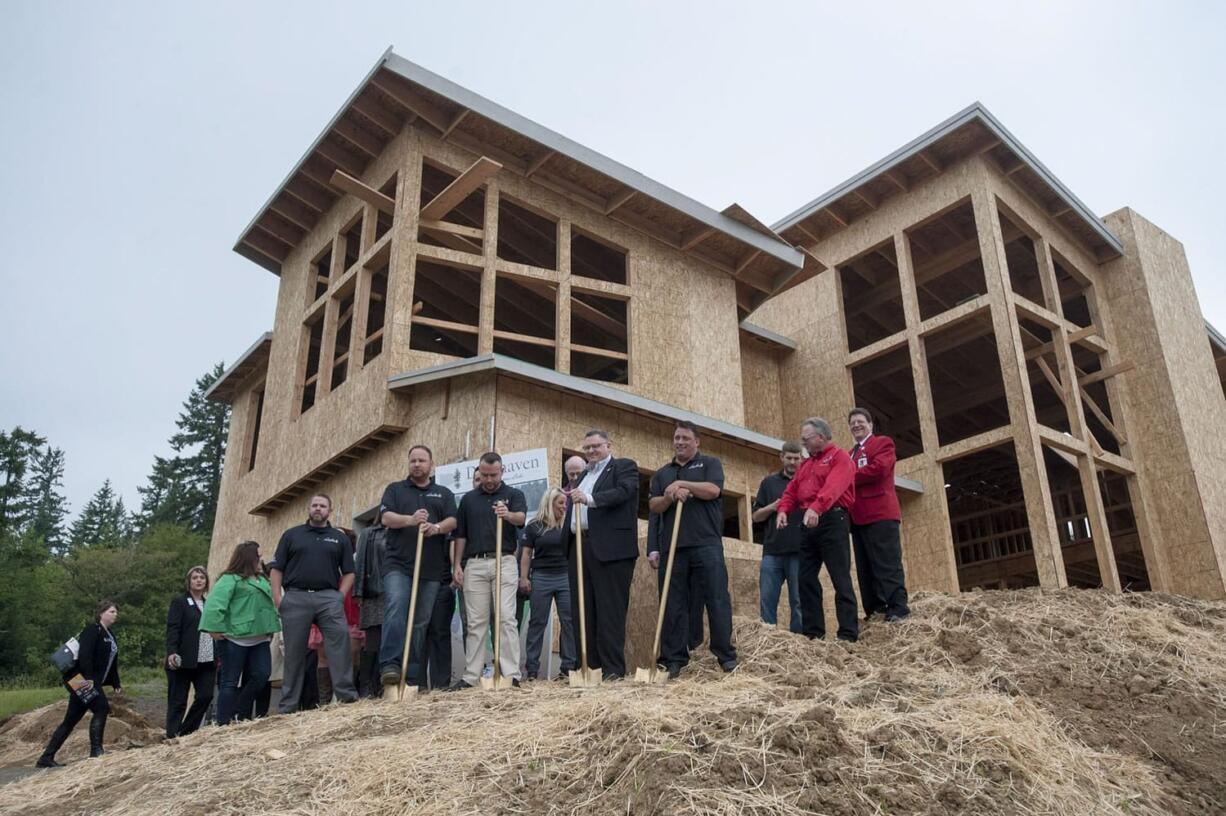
point(455, 274)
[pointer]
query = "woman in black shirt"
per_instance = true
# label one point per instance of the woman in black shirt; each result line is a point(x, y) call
point(98, 665)
point(544, 559)
point(189, 657)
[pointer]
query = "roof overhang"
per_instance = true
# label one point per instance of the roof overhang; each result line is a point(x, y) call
point(598, 392)
point(766, 337)
point(396, 93)
point(252, 360)
point(972, 131)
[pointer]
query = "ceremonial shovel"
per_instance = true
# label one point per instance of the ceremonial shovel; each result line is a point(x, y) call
point(584, 677)
point(653, 674)
point(497, 681)
point(404, 689)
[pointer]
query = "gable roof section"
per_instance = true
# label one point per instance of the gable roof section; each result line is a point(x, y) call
point(973, 130)
point(397, 92)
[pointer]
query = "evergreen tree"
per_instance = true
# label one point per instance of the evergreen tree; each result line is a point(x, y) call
point(164, 499)
point(103, 523)
point(45, 500)
point(16, 448)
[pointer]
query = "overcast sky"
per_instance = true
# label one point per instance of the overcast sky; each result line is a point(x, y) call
point(139, 139)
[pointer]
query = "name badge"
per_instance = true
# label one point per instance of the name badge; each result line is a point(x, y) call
point(862, 461)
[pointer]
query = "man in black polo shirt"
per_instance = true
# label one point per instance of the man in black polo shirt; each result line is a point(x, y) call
point(698, 482)
point(780, 548)
point(312, 572)
point(472, 562)
point(416, 503)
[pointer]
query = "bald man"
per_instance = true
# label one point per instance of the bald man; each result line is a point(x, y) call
point(574, 467)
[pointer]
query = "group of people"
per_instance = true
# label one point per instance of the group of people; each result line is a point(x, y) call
point(810, 509)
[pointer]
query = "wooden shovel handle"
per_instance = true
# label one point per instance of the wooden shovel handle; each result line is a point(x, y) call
point(668, 575)
point(408, 630)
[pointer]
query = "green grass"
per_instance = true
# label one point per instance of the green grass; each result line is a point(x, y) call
point(15, 701)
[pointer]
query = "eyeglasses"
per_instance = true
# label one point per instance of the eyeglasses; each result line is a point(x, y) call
point(589, 448)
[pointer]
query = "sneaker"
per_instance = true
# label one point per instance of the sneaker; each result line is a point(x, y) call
point(48, 762)
point(390, 677)
point(458, 685)
point(728, 665)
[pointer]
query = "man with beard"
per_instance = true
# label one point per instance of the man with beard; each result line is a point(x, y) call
point(312, 572)
point(780, 548)
point(415, 504)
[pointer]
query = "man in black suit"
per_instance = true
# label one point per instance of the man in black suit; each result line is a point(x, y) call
point(605, 502)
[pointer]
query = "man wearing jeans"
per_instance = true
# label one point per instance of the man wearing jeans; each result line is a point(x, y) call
point(472, 560)
point(823, 489)
point(414, 504)
point(780, 548)
point(312, 572)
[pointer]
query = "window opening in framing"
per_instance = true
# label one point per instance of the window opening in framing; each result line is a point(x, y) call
point(256, 417)
point(1075, 292)
point(344, 336)
point(526, 308)
point(450, 298)
point(599, 337)
point(732, 504)
point(321, 274)
point(352, 236)
point(593, 258)
point(376, 312)
point(872, 297)
point(469, 213)
point(314, 332)
point(1041, 370)
point(1021, 259)
point(525, 236)
point(1122, 524)
point(945, 255)
point(968, 391)
point(885, 387)
point(1072, 519)
point(1096, 399)
point(383, 221)
point(987, 518)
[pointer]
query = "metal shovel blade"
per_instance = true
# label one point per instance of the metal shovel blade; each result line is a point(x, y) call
point(406, 693)
point(652, 675)
point(585, 678)
point(497, 683)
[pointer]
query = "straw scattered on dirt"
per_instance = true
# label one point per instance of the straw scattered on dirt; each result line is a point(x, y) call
point(24, 736)
point(1031, 702)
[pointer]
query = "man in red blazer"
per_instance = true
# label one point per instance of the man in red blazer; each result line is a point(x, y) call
point(875, 517)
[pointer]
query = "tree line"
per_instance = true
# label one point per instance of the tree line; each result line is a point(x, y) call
point(52, 572)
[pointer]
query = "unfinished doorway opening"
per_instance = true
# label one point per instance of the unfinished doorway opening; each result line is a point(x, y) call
point(947, 261)
point(1072, 519)
point(885, 387)
point(968, 391)
point(1122, 525)
point(872, 297)
point(987, 517)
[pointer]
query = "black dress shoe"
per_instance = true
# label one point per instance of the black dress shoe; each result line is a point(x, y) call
point(611, 678)
point(48, 762)
point(897, 618)
point(728, 665)
point(458, 685)
point(674, 671)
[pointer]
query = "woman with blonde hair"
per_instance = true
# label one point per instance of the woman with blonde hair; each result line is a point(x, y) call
point(189, 657)
point(543, 571)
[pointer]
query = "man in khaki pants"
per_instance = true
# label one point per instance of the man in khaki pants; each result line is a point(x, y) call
point(472, 563)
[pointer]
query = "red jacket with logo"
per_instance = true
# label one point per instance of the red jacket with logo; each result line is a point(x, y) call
point(821, 482)
point(875, 496)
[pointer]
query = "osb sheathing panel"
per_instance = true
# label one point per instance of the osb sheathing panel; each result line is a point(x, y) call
point(463, 434)
point(760, 389)
point(1172, 395)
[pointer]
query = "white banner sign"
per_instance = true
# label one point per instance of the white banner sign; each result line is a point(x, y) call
point(526, 470)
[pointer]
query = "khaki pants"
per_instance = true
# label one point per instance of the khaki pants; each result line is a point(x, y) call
point(478, 595)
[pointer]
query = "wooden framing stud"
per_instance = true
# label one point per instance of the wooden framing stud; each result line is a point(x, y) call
point(348, 184)
point(619, 200)
point(412, 102)
point(538, 163)
point(1106, 373)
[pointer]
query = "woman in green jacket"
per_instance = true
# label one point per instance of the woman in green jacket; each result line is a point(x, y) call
point(241, 616)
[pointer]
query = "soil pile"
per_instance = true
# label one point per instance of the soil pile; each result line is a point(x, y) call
point(1030, 702)
point(24, 736)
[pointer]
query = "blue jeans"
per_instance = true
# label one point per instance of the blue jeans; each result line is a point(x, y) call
point(771, 575)
point(548, 587)
point(396, 589)
point(254, 664)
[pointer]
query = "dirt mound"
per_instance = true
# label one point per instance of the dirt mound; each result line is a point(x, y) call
point(1033, 702)
point(24, 736)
